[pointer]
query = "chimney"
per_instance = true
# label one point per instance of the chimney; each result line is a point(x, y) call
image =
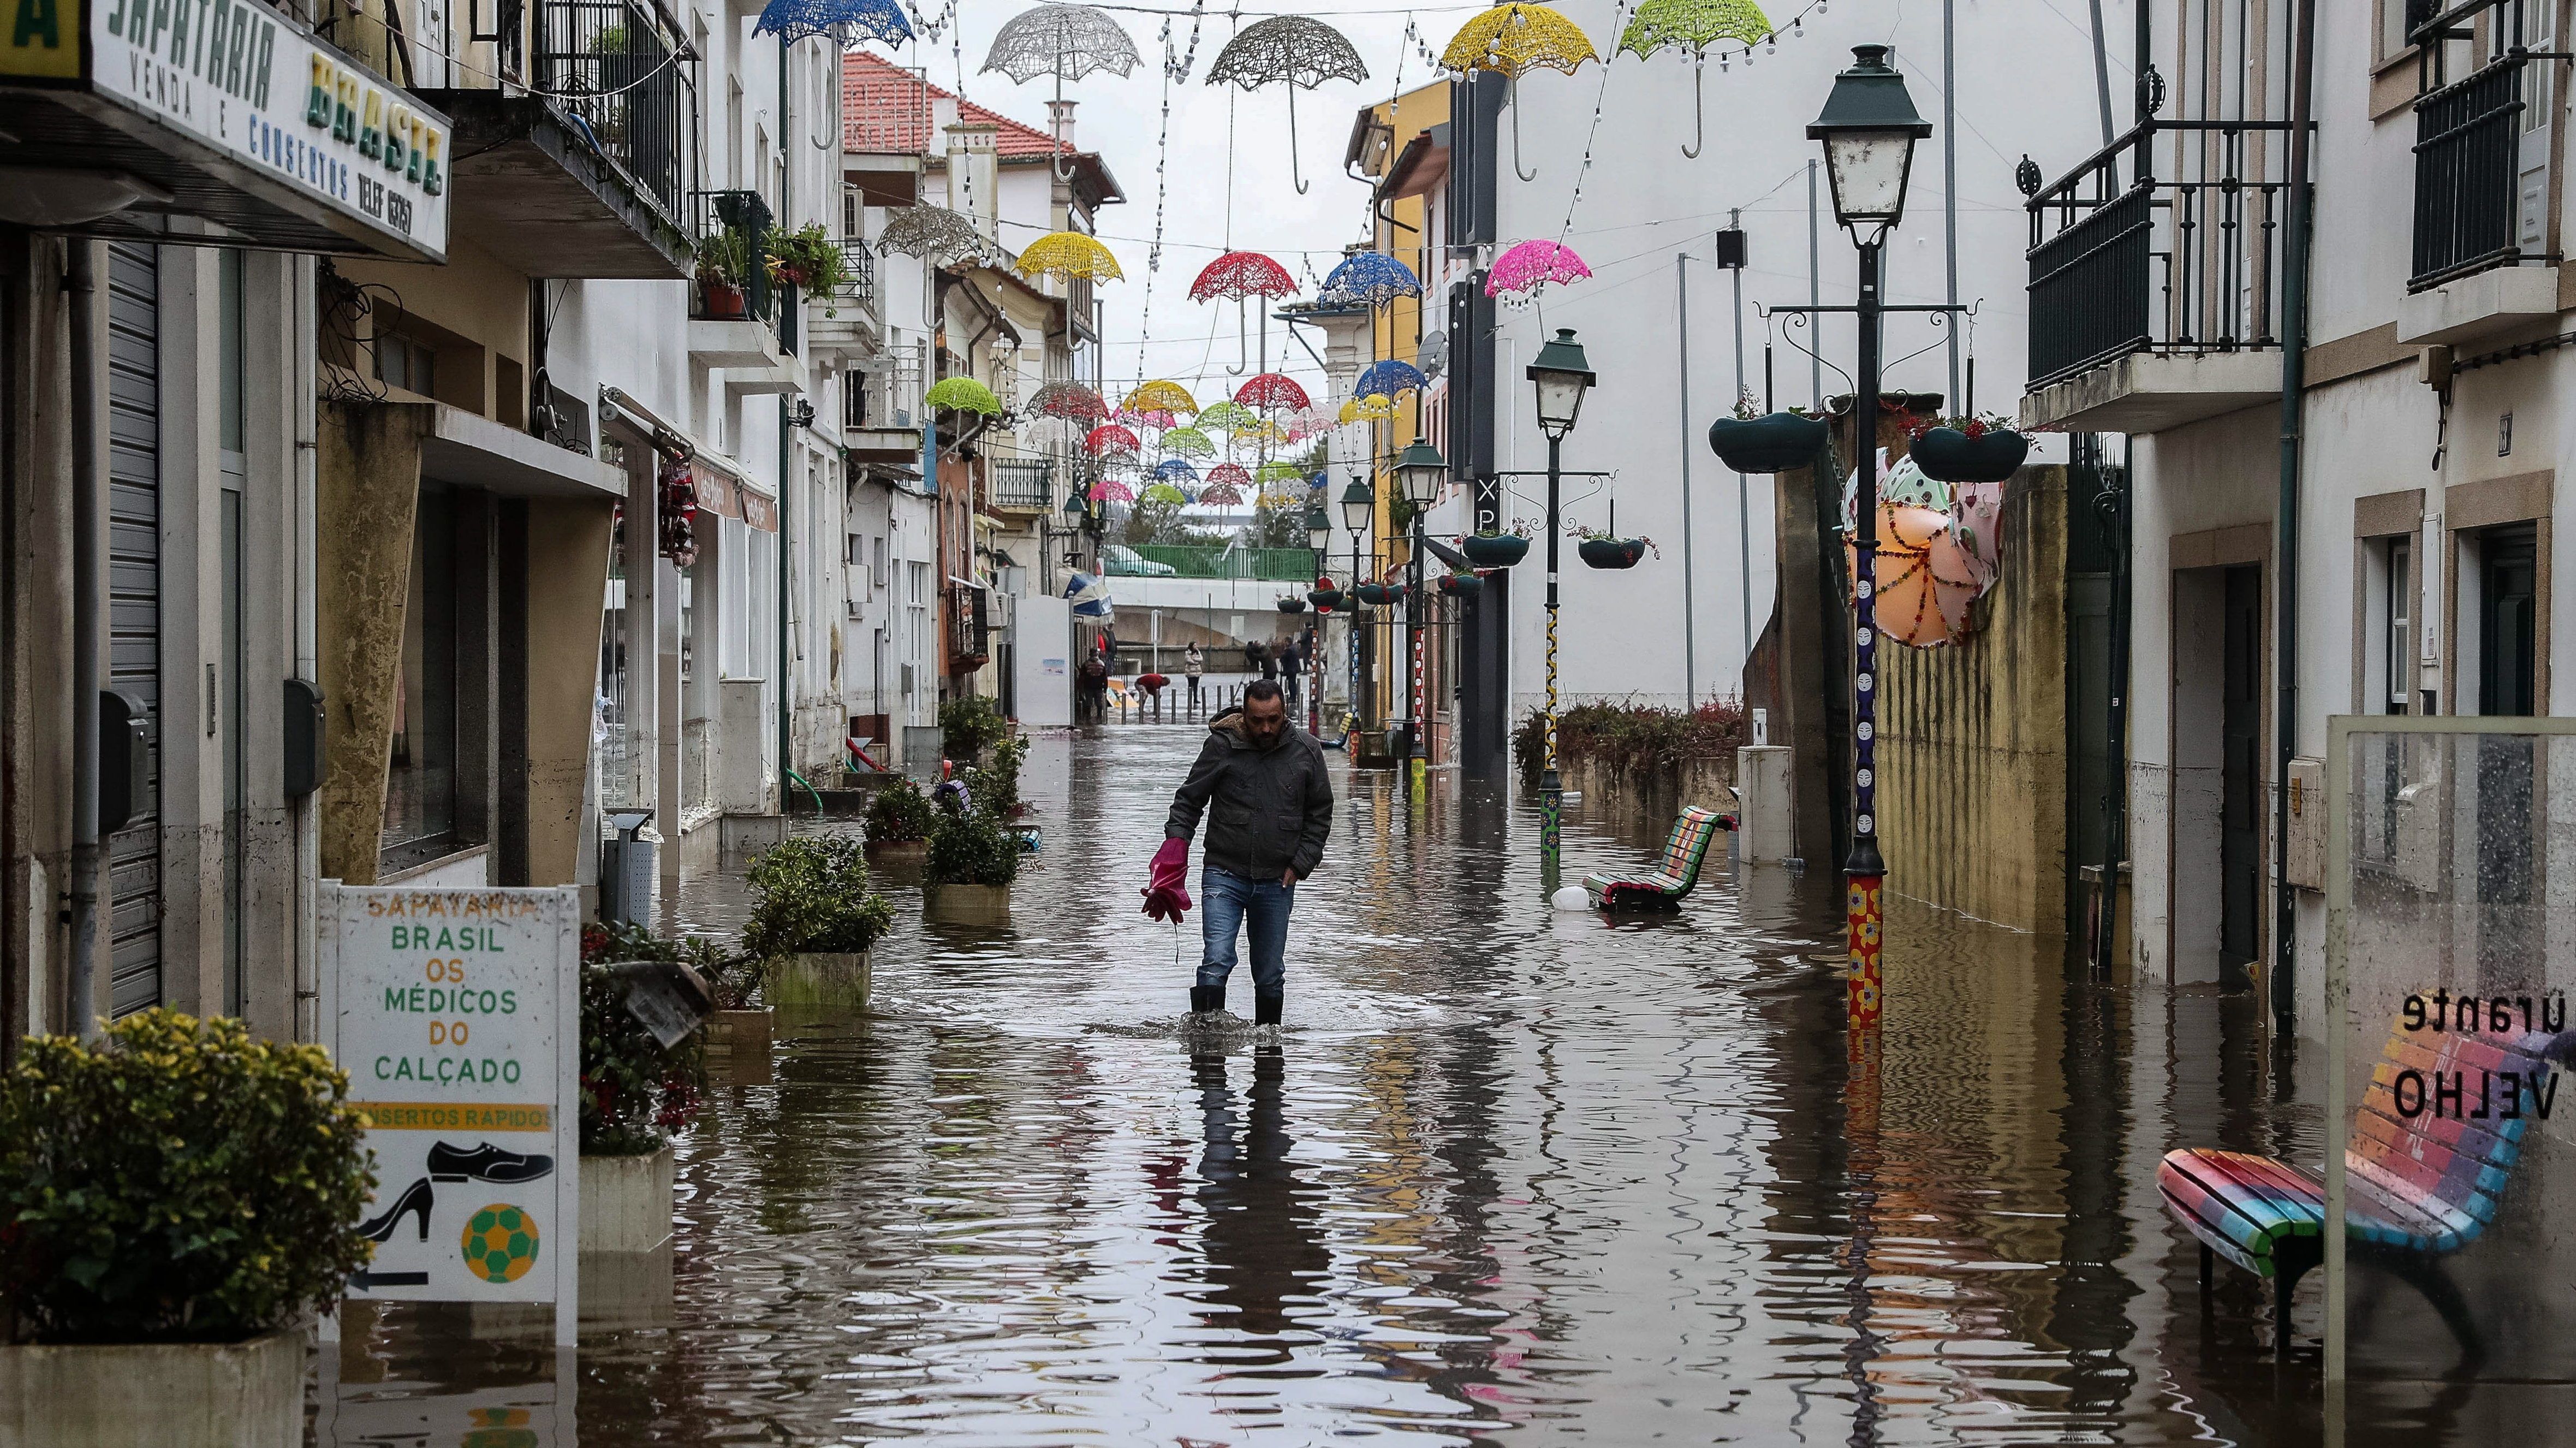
point(974, 176)
point(1060, 122)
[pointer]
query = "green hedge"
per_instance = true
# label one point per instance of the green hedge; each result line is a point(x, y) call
point(1634, 737)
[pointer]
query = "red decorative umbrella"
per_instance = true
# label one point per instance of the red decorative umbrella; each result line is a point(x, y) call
point(1240, 274)
point(1229, 475)
point(1108, 438)
point(1071, 401)
point(1272, 392)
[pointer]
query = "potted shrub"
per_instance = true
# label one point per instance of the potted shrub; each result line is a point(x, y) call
point(1496, 550)
point(899, 823)
point(818, 917)
point(1376, 595)
point(1325, 599)
point(1292, 605)
point(724, 268)
point(1754, 442)
point(176, 1199)
point(636, 1094)
point(1601, 550)
point(1461, 585)
point(810, 260)
point(1970, 450)
point(969, 725)
point(973, 860)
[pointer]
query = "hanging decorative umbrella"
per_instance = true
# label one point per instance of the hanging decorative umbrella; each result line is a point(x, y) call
point(1304, 423)
point(1695, 25)
point(1110, 490)
point(963, 394)
point(856, 20)
point(1225, 495)
point(1071, 401)
point(1149, 417)
point(1272, 392)
point(1511, 40)
point(1225, 416)
point(1260, 432)
point(1162, 493)
point(1187, 442)
point(1388, 378)
point(1228, 475)
point(1368, 409)
point(1064, 41)
point(1069, 256)
point(933, 233)
point(1176, 470)
point(1280, 475)
point(1289, 48)
point(1110, 438)
point(1238, 275)
point(1533, 264)
point(1368, 278)
point(1163, 397)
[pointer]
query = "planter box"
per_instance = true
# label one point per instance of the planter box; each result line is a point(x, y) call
point(626, 1202)
point(901, 863)
point(1495, 550)
point(172, 1395)
point(968, 904)
point(839, 981)
point(1770, 444)
point(739, 1037)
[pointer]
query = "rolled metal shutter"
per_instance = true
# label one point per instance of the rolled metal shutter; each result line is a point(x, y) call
point(134, 605)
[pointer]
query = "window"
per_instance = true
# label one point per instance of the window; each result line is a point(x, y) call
point(407, 363)
point(2508, 656)
point(420, 790)
point(2389, 652)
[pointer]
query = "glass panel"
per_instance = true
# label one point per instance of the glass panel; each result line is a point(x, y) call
point(228, 270)
point(2459, 1244)
point(420, 790)
point(235, 765)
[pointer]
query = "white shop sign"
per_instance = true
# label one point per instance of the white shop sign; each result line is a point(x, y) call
point(243, 78)
point(457, 1014)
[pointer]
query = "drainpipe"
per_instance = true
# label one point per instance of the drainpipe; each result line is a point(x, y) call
point(786, 435)
point(2294, 341)
point(89, 609)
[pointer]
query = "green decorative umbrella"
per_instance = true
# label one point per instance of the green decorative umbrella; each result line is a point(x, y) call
point(1226, 415)
point(1188, 442)
point(1695, 25)
point(1163, 493)
point(963, 394)
point(1277, 474)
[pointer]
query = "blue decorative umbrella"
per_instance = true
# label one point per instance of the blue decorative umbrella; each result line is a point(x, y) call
point(1371, 278)
point(1386, 379)
point(1176, 470)
point(794, 20)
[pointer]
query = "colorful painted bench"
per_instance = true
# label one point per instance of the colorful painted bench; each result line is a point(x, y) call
point(1664, 887)
point(2422, 1173)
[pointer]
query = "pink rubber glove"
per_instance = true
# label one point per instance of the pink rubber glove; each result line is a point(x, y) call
point(1167, 896)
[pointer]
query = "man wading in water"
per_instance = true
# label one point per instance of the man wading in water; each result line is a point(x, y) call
point(1261, 782)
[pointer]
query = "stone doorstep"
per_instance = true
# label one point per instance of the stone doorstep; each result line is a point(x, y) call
point(626, 1202)
point(247, 1394)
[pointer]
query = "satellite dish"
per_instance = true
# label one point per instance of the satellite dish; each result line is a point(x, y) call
point(1432, 353)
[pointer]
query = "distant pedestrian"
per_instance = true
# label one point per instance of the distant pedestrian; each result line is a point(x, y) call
point(1292, 671)
point(1261, 784)
point(1193, 659)
point(1093, 677)
point(1267, 660)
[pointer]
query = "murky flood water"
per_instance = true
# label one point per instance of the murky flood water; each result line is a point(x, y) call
point(1508, 1177)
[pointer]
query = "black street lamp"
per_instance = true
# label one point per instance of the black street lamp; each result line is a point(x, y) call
point(1319, 537)
point(1869, 127)
point(1420, 470)
point(1561, 376)
point(1359, 511)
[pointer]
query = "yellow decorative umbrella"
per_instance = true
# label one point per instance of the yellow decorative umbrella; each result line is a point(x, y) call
point(1160, 396)
point(1070, 255)
point(1368, 409)
point(1512, 39)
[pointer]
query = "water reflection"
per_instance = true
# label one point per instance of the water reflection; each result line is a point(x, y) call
point(1509, 1176)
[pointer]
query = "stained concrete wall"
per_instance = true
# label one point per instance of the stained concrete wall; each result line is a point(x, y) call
point(368, 492)
point(1972, 757)
point(567, 552)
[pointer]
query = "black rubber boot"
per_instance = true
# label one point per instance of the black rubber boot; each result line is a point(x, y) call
point(1206, 999)
point(1266, 1006)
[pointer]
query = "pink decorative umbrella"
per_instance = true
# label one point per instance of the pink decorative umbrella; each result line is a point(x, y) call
point(1071, 401)
point(1240, 274)
point(1109, 438)
point(1533, 264)
point(1110, 490)
point(1220, 494)
point(1153, 417)
point(1229, 475)
point(1272, 392)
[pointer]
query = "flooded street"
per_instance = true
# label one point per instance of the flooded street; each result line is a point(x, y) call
point(1508, 1176)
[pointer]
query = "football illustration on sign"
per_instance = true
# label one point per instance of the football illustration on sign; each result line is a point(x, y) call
point(500, 1243)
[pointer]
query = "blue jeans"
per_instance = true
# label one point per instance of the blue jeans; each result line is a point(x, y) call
point(1226, 900)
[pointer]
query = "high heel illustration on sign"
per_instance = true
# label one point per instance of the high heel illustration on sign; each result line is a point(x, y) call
point(415, 1199)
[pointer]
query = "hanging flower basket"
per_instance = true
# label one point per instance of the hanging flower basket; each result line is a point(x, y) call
point(1292, 605)
point(1326, 600)
point(1495, 550)
point(1461, 585)
point(1950, 455)
point(1772, 444)
point(1375, 595)
point(1611, 552)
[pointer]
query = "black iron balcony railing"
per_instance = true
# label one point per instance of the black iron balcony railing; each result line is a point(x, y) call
point(733, 282)
point(2185, 263)
point(2468, 150)
point(1023, 483)
point(620, 78)
point(861, 259)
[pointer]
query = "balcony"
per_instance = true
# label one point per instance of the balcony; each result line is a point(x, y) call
point(846, 318)
point(2154, 304)
point(1021, 485)
point(741, 323)
point(572, 123)
point(967, 608)
point(881, 406)
point(2480, 262)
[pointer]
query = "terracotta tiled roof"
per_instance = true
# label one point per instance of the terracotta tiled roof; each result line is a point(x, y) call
point(887, 108)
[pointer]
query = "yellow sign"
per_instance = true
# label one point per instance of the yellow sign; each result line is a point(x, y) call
point(454, 1116)
point(43, 40)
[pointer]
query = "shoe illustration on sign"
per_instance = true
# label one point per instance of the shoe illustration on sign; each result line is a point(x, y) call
point(500, 1243)
point(486, 1163)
